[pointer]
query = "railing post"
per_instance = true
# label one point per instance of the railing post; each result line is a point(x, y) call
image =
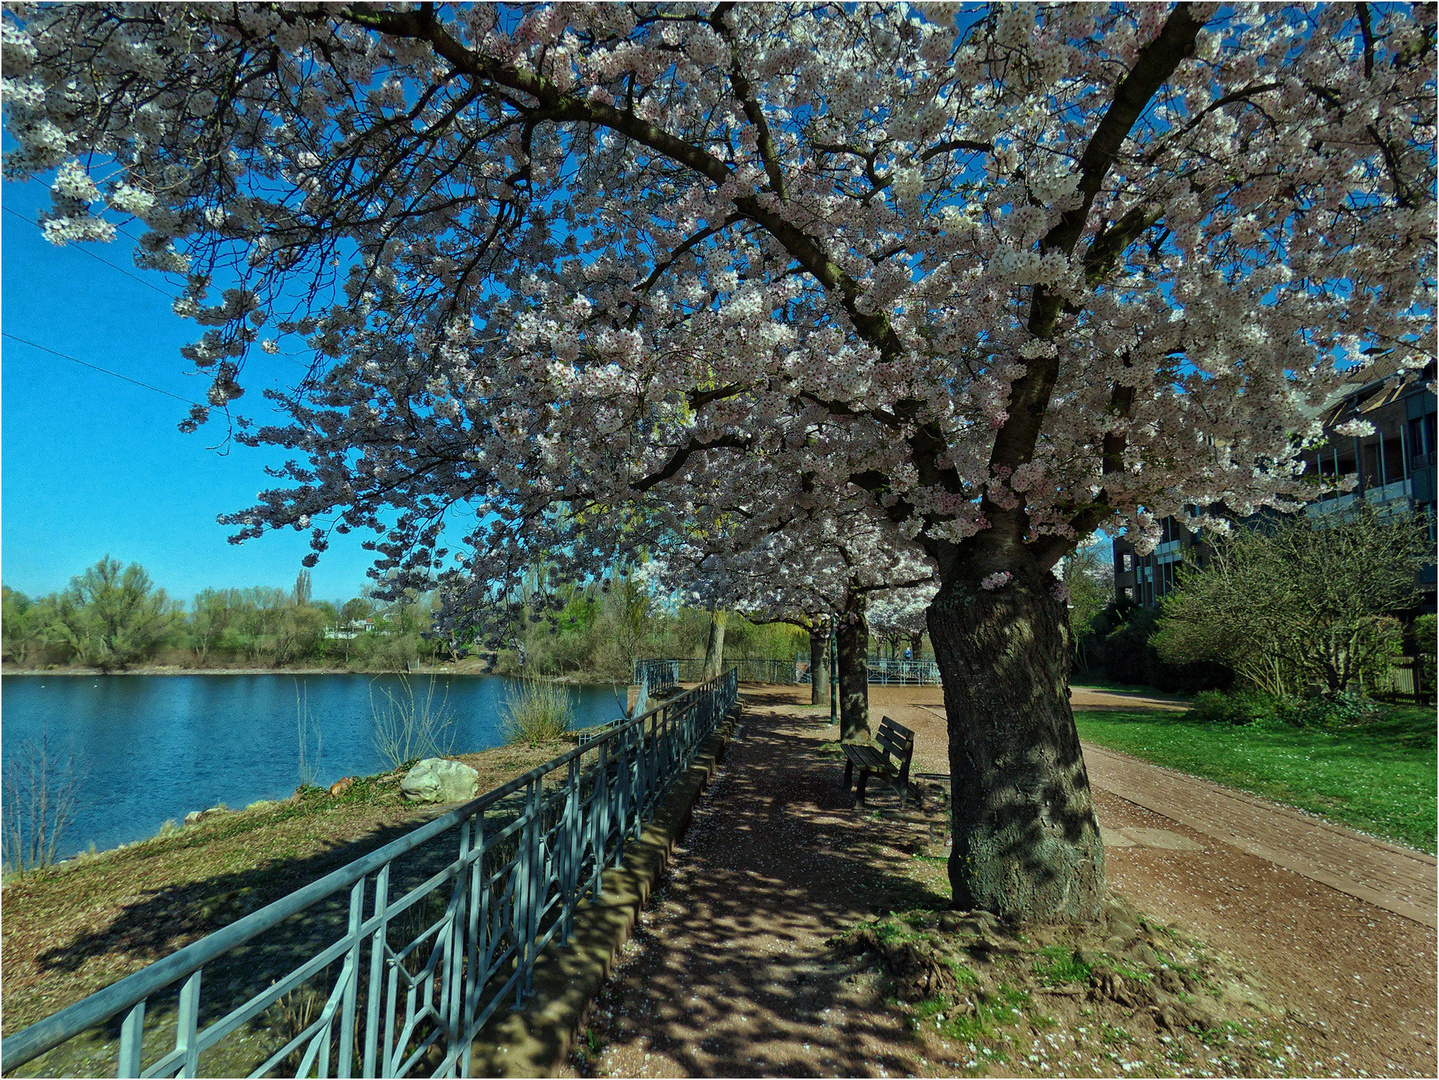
point(132, 1041)
point(452, 996)
point(187, 1023)
point(535, 882)
point(344, 1066)
point(375, 992)
point(601, 815)
point(573, 836)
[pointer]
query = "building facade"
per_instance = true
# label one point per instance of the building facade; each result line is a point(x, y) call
point(1394, 467)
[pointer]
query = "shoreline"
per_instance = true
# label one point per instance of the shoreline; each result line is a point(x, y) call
point(575, 679)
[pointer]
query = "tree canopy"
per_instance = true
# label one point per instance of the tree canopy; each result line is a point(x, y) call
point(1013, 272)
point(1019, 271)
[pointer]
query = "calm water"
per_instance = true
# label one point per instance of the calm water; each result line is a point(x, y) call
point(154, 747)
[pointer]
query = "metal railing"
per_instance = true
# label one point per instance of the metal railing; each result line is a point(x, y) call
point(903, 672)
point(654, 677)
point(881, 672)
point(405, 952)
point(690, 669)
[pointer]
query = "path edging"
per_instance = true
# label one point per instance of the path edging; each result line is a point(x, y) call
point(535, 1040)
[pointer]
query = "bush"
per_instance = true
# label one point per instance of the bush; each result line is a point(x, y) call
point(1217, 707)
point(536, 711)
point(1327, 711)
point(409, 727)
point(1123, 648)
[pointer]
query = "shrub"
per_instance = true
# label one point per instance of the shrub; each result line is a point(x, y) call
point(536, 711)
point(407, 727)
point(1326, 711)
point(41, 793)
point(1123, 646)
point(1217, 707)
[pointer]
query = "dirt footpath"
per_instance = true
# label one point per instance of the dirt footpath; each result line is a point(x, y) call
point(729, 973)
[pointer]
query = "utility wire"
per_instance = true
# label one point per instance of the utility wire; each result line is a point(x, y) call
point(97, 367)
point(97, 258)
point(131, 274)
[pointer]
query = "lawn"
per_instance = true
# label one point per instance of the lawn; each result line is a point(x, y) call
point(1379, 778)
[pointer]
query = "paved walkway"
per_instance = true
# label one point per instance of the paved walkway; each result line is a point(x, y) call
point(1394, 878)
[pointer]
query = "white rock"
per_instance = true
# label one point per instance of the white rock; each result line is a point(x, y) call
point(439, 780)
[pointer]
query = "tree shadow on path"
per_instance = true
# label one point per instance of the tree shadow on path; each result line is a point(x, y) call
point(729, 972)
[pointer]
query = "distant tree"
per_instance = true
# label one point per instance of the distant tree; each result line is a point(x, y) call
point(27, 626)
point(302, 591)
point(625, 622)
point(357, 610)
point(114, 616)
point(211, 614)
point(1304, 600)
point(1088, 578)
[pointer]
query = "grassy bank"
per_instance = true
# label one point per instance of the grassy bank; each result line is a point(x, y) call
point(70, 930)
point(1379, 778)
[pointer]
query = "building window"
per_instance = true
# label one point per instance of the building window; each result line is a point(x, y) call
point(1421, 439)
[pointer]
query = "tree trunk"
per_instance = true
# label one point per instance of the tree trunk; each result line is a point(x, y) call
point(915, 641)
point(818, 669)
point(853, 674)
point(1026, 843)
point(714, 646)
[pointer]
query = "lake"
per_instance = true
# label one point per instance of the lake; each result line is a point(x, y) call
point(151, 748)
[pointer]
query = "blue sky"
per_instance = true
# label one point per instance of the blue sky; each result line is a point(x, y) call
point(91, 465)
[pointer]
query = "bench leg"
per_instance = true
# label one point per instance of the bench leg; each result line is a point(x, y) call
point(859, 791)
point(848, 773)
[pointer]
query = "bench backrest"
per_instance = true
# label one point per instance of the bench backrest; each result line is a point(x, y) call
point(898, 742)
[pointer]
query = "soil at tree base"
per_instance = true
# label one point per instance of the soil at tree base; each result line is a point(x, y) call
point(797, 936)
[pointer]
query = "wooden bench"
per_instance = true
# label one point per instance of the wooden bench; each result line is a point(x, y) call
point(890, 760)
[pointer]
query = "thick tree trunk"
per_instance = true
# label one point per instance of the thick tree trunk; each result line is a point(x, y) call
point(853, 642)
point(1026, 843)
point(714, 645)
point(915, 642)
point(818, 669)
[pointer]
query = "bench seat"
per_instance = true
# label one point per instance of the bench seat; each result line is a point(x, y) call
point(889, 760)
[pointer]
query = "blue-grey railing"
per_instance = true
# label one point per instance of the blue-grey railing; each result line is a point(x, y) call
point(882, 672)
point(654, 677)
point(691, 669)
point(903, 672)
point(403, 954)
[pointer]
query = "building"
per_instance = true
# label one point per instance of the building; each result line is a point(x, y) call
point(1393, 467)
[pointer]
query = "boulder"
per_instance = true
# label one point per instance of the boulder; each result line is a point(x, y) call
point(439, 780)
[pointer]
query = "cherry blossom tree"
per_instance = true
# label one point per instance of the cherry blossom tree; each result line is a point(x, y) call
point(814, 573)
point(1016, 272)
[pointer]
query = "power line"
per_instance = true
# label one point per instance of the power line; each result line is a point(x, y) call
point(131, 274)
point(97, 367)
point(98, 258)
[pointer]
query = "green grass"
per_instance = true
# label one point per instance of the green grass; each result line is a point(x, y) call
point(1379, 778)
point(1058, 965)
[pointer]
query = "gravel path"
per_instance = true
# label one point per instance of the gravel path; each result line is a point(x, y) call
point(729, 974)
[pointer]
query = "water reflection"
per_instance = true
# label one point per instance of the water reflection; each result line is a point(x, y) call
point(154, 747)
